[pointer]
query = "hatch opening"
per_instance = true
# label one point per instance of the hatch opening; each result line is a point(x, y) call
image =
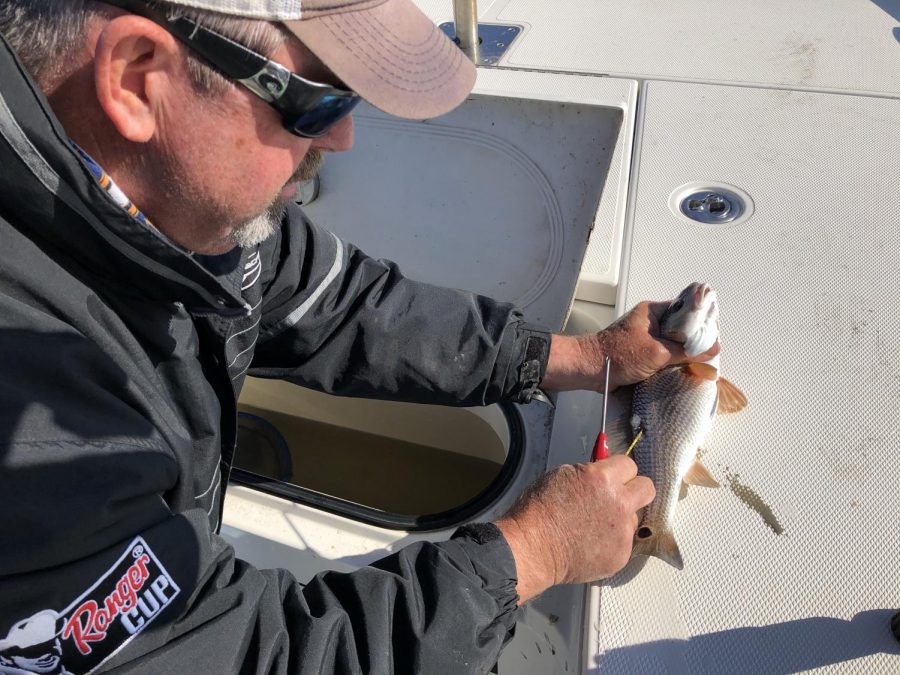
point(397, 465)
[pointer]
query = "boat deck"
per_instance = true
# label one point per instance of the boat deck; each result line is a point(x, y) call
point(794, 564)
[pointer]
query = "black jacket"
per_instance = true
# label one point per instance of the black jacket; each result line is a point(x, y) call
point(121, 359)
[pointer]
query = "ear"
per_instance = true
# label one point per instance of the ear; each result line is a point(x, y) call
point(136, 66)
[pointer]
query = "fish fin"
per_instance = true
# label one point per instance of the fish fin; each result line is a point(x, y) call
point(700, 475)
point(703, 371)
point(682, 491)
point(619, 435)
point(661, 545)
point(731, 399)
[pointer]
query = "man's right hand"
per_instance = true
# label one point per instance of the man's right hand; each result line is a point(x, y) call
point(575, 524)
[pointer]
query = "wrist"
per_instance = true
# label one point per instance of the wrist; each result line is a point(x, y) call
point(575, 363)
point(593, 354)
point(535, 568)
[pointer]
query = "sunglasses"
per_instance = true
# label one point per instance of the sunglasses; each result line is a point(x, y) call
point(308, 109)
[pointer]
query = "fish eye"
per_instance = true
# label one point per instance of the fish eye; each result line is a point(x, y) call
point(644, 532)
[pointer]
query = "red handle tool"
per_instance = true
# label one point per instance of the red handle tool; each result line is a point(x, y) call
point(601, 449)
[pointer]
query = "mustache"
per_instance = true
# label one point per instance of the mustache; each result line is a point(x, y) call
point(309, 166)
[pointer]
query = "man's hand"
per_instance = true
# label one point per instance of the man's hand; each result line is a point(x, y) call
point(633, 344)
point(575, 524)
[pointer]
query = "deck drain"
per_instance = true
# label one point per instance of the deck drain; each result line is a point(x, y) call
point(711, 207)
point(711, 203)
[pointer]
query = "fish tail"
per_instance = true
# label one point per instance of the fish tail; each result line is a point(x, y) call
point(660, 544)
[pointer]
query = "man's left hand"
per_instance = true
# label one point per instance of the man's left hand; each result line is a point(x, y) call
point(633, 344)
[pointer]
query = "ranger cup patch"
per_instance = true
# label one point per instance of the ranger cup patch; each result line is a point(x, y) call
point(100, 622)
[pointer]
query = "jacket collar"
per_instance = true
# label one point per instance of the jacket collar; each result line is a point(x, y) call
point(46, 190)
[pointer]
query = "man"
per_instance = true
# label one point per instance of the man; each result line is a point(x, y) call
point(151, 258)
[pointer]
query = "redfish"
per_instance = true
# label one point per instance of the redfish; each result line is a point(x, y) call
point(673, 410)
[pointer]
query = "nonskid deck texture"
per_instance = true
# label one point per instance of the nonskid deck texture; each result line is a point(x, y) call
point(794, 564)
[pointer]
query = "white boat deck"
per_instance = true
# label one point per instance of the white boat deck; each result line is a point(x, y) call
point(818, 45)
point(794, 565)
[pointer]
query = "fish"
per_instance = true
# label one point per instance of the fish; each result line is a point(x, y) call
point(673, 411)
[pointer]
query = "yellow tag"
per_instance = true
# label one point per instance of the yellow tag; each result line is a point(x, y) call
point(634, 442)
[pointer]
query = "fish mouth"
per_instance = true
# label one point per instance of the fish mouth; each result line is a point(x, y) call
point(701, 292)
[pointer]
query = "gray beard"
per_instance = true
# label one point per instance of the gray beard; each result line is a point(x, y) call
point(261, 227)
point(258, 229)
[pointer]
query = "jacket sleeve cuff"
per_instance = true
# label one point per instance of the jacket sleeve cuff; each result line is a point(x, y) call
point(527, 362)
point(493, 562)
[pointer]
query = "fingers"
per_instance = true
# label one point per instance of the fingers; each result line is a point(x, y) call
point(676, 351)
point(641, 490)
point(622, 468)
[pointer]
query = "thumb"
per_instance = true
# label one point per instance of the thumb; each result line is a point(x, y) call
point(676, 351)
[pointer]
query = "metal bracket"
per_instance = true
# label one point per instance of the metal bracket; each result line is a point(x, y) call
point(494, 40)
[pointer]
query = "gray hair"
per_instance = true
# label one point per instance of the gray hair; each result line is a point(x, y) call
point(44, 32)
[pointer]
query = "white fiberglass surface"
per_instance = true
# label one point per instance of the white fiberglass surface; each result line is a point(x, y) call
point(497, 197)
point(851, 45)
point(794, 564)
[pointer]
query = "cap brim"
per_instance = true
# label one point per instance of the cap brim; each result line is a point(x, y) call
point(393, 56)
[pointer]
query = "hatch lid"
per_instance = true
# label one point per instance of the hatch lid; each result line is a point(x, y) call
point(498, 197)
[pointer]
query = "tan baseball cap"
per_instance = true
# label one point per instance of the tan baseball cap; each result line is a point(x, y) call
point(387, 51)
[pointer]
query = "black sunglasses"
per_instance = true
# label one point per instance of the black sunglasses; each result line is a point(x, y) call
point(307, 108)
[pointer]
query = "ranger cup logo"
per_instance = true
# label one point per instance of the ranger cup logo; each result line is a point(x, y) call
point(105, 618)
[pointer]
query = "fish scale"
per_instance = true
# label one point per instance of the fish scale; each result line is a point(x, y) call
point(675, 411)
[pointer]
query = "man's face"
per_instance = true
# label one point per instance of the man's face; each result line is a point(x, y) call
point(223, 166)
